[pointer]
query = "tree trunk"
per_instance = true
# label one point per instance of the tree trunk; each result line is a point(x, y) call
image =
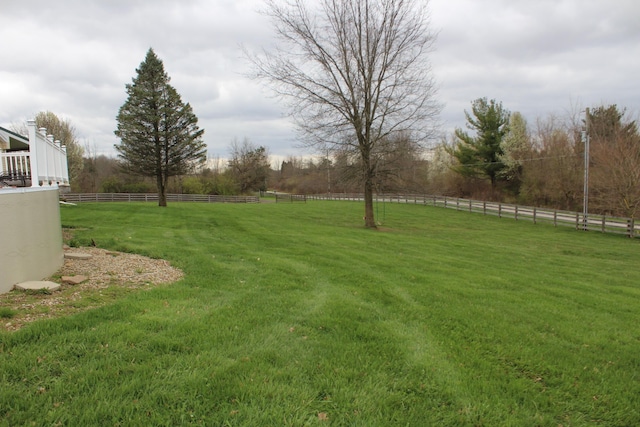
point(493, 186)
point(162, 191)
point(369, 220)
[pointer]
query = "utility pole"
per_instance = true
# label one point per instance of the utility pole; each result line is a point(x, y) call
point(585, 201)
point(328, 173)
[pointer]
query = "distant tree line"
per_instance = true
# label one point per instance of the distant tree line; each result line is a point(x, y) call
point(500, 156)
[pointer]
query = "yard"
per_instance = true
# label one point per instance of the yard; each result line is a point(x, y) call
point(295, 314)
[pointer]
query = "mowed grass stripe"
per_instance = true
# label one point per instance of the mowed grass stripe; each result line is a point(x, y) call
point(293, 313)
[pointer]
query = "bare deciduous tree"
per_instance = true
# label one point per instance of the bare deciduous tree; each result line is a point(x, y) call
point(249, 166)
point(553, 174)
point(615, 161)
point(355, 73)
point(615, 176)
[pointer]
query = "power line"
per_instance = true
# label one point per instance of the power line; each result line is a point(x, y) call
point(522, 160)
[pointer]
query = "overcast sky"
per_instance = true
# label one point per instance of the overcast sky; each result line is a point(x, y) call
point(74, 57)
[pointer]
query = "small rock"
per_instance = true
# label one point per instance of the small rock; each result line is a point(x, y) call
point(73, 280)
point(76, 255)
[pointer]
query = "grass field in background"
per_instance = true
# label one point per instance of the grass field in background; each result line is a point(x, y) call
point(294, 314)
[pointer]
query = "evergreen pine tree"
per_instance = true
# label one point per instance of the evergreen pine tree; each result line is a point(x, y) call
point(480, 154)
point(159, 133)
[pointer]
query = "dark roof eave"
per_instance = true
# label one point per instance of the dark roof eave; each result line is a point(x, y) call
point(16, 141)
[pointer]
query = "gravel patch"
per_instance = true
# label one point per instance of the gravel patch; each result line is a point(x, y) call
point(104, 269)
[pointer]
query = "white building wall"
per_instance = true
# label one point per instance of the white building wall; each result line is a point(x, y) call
point(30, 235)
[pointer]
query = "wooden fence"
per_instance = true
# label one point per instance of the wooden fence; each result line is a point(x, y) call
point(146, 197)
point(577, 220)
point(280, 197)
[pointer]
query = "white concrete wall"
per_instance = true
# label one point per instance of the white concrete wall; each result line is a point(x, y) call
point(30, 235)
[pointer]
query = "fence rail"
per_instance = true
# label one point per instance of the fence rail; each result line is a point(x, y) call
point(147, 197)
point(577, 220)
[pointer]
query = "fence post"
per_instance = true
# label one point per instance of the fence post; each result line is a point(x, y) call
point(604, 222)
point(516, 213)
point(534, 214)
point(470, 206)
point(499, 210)
point(630, 228)
point(578, 222)
point(458, 203)
point(555, 218)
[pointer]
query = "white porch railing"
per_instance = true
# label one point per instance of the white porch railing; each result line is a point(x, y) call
point(15, 165)
point(45, 163)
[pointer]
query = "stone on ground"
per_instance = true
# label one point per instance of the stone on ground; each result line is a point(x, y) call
point(73, 280)
point(37, 285)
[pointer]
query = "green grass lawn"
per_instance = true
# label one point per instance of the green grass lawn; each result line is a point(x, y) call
point(294, 315)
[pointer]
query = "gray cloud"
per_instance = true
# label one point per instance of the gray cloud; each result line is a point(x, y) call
point(74, 57)
point(537, 57)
